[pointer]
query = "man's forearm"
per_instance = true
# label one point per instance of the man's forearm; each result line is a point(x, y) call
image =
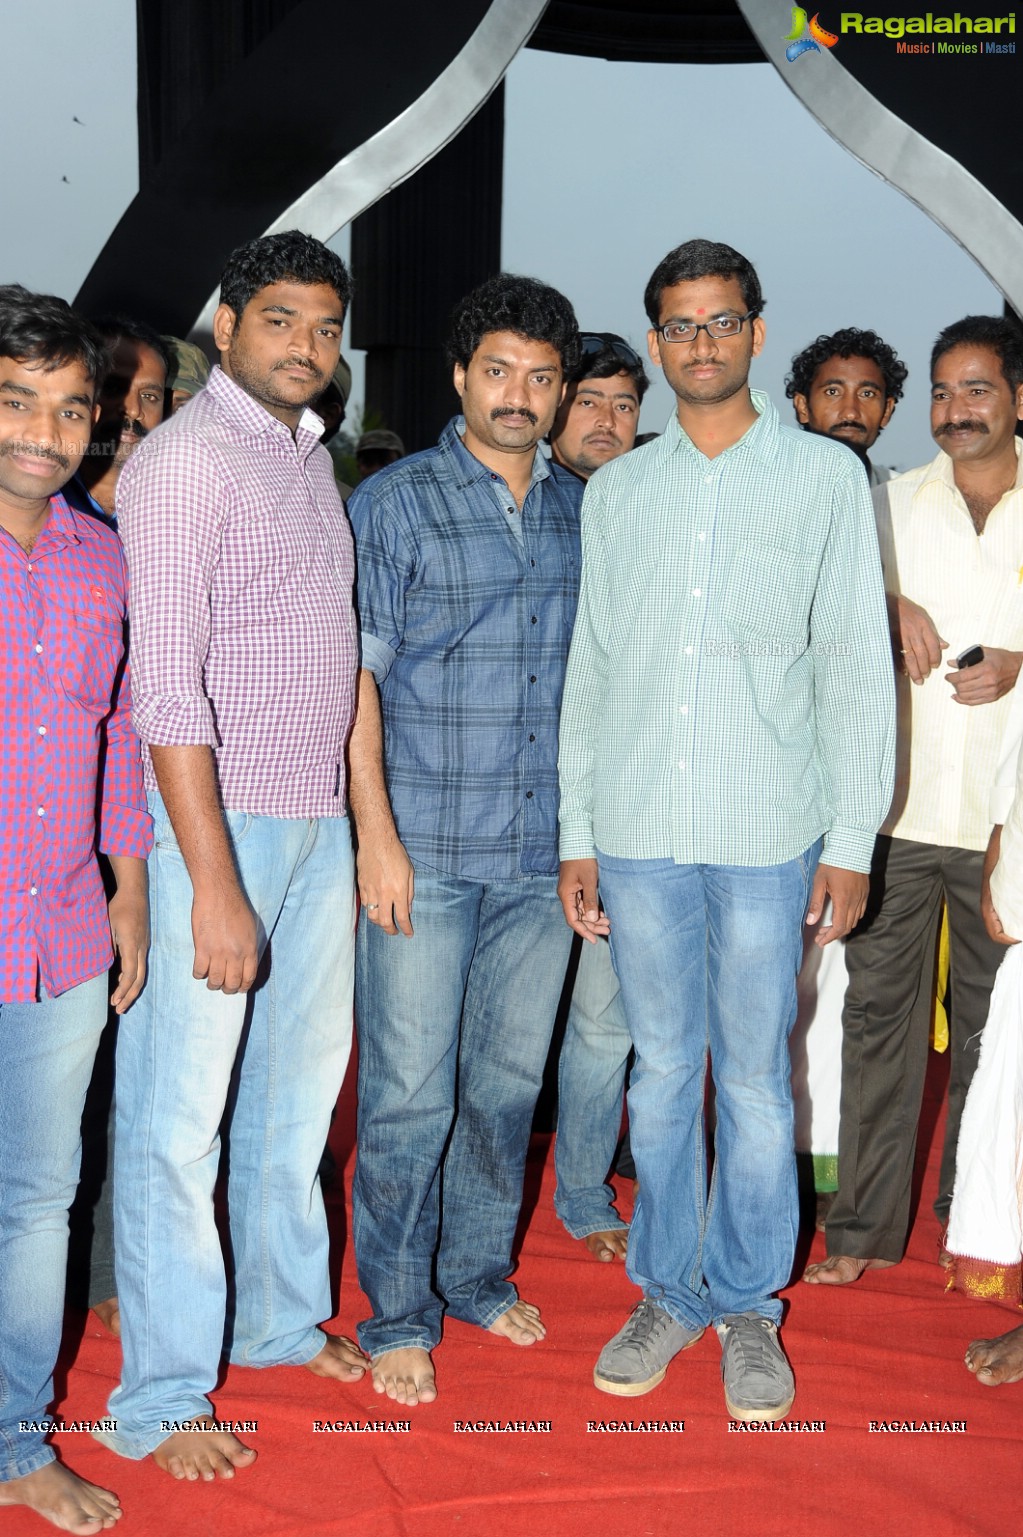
point(367, 790)
point(187, 780)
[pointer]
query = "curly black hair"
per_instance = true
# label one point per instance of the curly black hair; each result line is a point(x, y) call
point(1002, 335)
point(848, 343)
point(524, 306)
point(702, 259)
point(40, 328)
point(289, 257)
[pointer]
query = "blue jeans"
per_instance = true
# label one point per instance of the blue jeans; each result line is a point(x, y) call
point(460, 1014)
point(272, 1062)
point(707, 956)
point(591, 1076)
point(46, 1054)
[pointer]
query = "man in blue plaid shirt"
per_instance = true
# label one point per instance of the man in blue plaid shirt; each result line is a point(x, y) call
point(468, 562)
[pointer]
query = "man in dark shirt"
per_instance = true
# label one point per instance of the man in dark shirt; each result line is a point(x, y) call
point(468, 561)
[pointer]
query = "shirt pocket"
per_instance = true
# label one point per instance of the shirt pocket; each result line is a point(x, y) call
point(769, 593)
point(91, 656)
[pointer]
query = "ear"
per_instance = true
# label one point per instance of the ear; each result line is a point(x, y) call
point(224, 323)
point(1019, 403)
point(653, 346)
point(802, 409)
point(759, 336)
point(888, 409)
point(458, 378)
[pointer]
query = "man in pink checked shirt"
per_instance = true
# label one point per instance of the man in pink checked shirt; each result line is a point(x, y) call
point(243, 659)
point(70, 782)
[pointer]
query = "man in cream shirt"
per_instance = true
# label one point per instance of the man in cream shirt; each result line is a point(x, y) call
point(951, 538)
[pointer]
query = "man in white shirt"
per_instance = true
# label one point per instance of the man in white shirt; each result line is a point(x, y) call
point(951, 538)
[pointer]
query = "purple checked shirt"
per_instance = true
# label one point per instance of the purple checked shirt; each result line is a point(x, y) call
point(242, 630)
point(70, 779)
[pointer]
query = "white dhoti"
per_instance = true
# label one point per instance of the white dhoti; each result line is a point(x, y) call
point(985, 1226)
point(816, 1046)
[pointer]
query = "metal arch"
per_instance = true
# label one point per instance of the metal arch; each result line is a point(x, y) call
point(947, 192)
point(412, 138)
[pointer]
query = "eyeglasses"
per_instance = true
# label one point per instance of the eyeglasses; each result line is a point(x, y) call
point(591, 343)
point(687, 330)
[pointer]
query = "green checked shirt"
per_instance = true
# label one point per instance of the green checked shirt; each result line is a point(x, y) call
point(730, 694)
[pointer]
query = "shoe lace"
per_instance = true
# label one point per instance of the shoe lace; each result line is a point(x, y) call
point(753, 1340)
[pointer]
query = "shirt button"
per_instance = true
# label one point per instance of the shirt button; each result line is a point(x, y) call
point(532, 562)
point(697, 593)
point(40, 811)
point(701, 536)
point(683, 709)
point(681, 765)
point(707, 479)
point(33, 891)
point(529, 795)
point(42, 730)
point(29, 566)
point(532, 619)
point(532, 738)
point(532, 677)
point(39, 648)
point(689, 651)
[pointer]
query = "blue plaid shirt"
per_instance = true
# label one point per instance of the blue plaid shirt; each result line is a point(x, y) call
point(466, 608)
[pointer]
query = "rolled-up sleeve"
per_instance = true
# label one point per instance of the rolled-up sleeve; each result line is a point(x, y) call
point(171, 505)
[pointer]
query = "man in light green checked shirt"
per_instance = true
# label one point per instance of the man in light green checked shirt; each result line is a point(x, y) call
point(727, 743)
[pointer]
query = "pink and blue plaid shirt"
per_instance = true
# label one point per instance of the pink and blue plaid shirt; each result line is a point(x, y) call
point(70, 771)
point(243, 634)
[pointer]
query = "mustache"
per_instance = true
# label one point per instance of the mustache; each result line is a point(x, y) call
point(314, 373)
point(847, 427)
point(969, 424)
point(500, 411)
point(34, 451)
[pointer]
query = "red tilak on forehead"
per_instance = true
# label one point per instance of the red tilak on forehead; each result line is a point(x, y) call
point(701, 312)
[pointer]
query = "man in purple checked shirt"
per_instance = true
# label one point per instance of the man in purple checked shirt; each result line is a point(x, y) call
point(244, 654)
point(70, 784)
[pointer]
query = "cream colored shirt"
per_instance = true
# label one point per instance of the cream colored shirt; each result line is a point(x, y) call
point(1006, 810)
point(972, 587)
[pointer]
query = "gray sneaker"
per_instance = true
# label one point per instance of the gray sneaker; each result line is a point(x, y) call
point(637, 1358)
point(759, 1384)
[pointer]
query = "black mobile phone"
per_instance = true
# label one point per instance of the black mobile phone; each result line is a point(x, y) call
point(970, 657)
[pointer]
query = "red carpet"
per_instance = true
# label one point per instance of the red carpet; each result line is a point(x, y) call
point(889, 1348)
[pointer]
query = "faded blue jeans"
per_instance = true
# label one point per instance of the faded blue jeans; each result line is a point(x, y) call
point(47, 1050)
point(460, 1014)
point(591, 1077)
point(271, 1062)
point(707, 957)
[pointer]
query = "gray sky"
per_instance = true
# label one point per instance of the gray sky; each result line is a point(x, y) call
point(607, 166)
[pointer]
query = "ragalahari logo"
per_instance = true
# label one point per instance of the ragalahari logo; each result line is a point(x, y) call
point(807, 36)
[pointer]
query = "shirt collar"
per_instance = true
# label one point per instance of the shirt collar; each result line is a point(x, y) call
point(466, 469)
point(760, 437)
point(255, 420)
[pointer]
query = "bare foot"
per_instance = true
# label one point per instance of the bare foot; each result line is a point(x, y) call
point(406, 1376)
point(609, 1245)
point(206, 1454)
point(109, 1315)
point(521, 1324)
point(840, 1269)
point(998, 1360)
point(340, 1358)
point(60, 1496)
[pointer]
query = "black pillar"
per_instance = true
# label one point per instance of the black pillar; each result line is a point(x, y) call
point(414, 255)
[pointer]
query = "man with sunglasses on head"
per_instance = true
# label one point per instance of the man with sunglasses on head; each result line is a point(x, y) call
point(597, 421)
point(726, 759)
